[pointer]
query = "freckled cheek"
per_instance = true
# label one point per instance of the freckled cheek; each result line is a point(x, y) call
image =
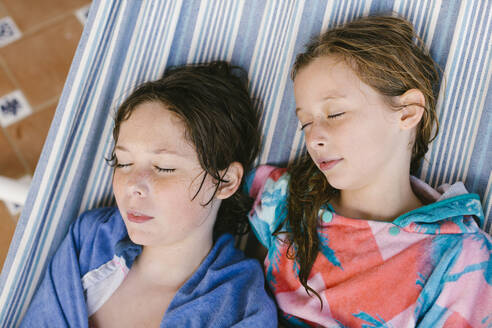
point(118, 185)
point(170, 188)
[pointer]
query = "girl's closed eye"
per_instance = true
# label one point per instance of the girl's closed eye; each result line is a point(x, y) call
point(122, 165)
point(331, 117)
point(304, 125)
point(336, 116)
point(164, 170)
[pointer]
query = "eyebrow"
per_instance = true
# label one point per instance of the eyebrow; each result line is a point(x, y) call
point(324, 99)
point(156, 151)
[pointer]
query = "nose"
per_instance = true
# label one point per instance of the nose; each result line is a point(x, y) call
point(138, 185)
point(316, 138)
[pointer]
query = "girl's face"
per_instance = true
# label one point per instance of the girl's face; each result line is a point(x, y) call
point(351, 132)
point(158, 174)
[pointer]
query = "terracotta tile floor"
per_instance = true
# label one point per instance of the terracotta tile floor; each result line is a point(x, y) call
point(35, 66)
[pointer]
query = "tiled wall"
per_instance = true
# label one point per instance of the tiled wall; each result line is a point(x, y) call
point(38, 39)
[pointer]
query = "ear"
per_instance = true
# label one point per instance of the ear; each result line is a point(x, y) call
point(413, 103)
point(232, 177)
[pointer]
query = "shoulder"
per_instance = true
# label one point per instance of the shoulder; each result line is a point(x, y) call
point(225, 265)
point(92, 223)
point(266, 177)
point(464, 252)
point(97, 233)
point(91, 219)
point(230, 281)
point(269, 187)
point(477, 245)
point(225, 256)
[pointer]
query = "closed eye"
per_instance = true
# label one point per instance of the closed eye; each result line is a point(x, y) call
point(120, 165)
point(331, 117)
point(304, 125)
point(164, 170)
point(337, 115)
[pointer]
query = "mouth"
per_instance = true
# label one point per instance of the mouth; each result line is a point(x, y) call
point(325, 165)
point(137, 217)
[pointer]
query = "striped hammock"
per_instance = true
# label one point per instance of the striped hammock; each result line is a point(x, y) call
point(127, 42)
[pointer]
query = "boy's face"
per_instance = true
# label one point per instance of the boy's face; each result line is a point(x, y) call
point(351, 132)
point(158, 174)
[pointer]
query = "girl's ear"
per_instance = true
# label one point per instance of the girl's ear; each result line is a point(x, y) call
point(233, 176)
point(413, 103)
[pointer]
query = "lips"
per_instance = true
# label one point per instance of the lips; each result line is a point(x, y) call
point(137, 217)
point(328, 164)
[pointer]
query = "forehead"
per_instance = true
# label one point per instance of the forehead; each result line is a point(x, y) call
point(330, 69)
point(151, 126)
point(331, 77)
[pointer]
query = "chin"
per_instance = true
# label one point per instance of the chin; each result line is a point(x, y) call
point(135, 239)
point(338, 182)
point(138, 237)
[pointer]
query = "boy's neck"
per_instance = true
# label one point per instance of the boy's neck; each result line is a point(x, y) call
point(170, 266)
point(381, 202)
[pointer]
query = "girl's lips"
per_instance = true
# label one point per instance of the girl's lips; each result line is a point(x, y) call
point(326, 165)
point(138, 218)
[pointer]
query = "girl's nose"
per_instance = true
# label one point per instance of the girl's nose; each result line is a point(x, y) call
point(138, 186)
point(317, 137)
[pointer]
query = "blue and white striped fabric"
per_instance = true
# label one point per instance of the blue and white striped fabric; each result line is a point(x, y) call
point(127, 42)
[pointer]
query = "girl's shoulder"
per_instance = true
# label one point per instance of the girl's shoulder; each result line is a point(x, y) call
point(95, 218)
point(267, 177)
point(268, 185)
point(98, 230)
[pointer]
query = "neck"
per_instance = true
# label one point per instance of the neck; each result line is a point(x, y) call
point(171, 266)
point(382, 201)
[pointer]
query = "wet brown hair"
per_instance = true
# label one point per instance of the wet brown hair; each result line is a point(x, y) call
point(387, 55)
point(221, 123)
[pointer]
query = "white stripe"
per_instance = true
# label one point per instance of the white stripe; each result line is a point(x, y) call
point(487, 202)
point(282, 82)
point(221, 39)
point(432, 22)
point(450, 71)
point(367, 7)
point(258, 60)
point(397, 6)
point(456, 142)
point(213, 21)
point(265, 77)
point(418, 13)
point(235, 29)
point(254, 71)
point(327, 16)
point(171, 29)
point(195, 41)
point(270, 78)
point(220, 33)
point(477, 106)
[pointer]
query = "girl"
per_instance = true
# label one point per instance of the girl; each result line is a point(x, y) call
point(352, 238)
point(164, 256)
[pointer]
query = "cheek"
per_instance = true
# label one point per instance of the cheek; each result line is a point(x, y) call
point(369, 143)
point(204, 192)
point(118, 184)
